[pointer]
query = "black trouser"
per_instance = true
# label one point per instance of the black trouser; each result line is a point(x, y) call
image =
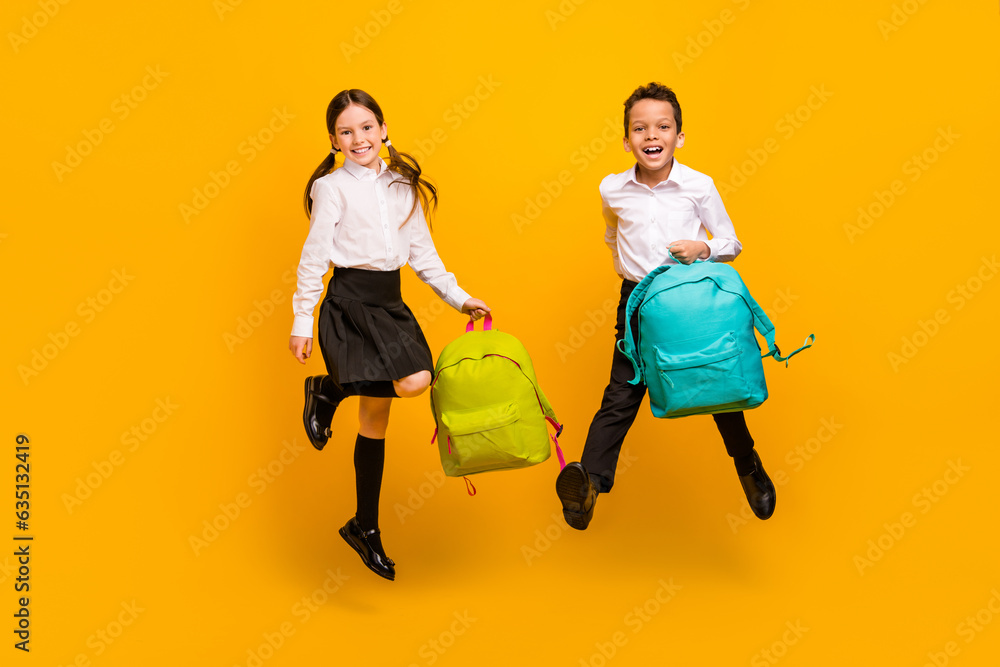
point(620, 405)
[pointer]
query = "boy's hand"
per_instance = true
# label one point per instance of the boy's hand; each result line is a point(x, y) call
point(686, 252)
point(475, 309)
point(301, 347)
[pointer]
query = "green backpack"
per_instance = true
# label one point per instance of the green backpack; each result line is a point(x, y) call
point(489, 411)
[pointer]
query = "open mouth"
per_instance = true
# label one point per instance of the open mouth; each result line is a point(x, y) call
point(361, 151)
point(652, 150)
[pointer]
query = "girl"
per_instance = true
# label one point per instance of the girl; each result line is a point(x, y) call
point(367, 220)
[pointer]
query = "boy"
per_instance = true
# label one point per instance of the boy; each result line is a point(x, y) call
point(658, 212)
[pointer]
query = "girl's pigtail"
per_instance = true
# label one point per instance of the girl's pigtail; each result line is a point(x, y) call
point(406, 166)
point(324, 168)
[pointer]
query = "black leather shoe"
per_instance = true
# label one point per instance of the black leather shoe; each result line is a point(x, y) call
point(759, 490)
point(376, 561)
point(319, 408)
point(577, 494)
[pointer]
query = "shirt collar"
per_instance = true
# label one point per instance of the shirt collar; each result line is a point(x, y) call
point(675, 175)
point(362, 173)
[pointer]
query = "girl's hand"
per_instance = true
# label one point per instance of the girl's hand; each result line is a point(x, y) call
point(475, 309)
point(686, 252)
point(301, 347)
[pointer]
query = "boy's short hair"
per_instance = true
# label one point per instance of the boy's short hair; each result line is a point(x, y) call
point(653, 91)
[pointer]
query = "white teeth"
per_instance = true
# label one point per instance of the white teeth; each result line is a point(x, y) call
point(654, 149)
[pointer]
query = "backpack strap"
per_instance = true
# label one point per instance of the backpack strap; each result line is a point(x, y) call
point(627, 345)
point(762, 323)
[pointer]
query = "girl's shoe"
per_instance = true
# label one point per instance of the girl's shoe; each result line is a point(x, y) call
point(320, 404)
point(375, 560)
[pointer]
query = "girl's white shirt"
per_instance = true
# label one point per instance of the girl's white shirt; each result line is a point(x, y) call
point(357, 222)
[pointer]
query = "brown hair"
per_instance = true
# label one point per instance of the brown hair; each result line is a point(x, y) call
point(403, 164)
point(653, 91)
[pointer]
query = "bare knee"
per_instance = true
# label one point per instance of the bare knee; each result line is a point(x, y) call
point(412, 385)
point(373, 416)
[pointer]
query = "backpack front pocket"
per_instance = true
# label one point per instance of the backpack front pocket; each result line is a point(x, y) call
point(483, 438)
point(699, 373)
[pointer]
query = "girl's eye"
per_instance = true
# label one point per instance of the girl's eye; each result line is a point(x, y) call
point(368, 127)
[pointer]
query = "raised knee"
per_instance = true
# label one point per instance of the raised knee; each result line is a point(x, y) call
point(413, 385)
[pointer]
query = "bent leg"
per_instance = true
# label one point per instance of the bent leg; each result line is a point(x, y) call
point(618, 410)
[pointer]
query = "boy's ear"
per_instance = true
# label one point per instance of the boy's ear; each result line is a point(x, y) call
point(628, 146)
point(680, 140)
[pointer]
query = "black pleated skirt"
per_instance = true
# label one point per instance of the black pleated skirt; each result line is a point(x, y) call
point(366, 332)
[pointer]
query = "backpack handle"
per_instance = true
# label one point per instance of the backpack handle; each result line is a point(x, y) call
point(487, 324)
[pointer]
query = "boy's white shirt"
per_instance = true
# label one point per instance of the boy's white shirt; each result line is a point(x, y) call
point(643, 221)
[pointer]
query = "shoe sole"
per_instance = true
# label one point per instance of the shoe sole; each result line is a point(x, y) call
point(305, 420)
point(350, 543)
point(568, 490)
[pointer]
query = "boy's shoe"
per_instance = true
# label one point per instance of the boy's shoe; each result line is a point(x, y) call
point(577, 494)
point(320, 404)
point(759, 490)
point(375, 560)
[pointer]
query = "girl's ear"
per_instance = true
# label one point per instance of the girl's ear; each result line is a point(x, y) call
point(334, 142)
point(385, 132)
point(680, 140)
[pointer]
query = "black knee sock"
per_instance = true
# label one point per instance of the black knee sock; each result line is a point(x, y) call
point(369, 459)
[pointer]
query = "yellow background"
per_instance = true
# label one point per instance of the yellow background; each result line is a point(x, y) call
point(498, 578)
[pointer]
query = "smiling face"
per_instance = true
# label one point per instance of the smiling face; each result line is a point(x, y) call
point(652, 138)
point(359, 136)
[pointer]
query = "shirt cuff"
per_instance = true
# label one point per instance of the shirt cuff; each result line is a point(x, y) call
point(457, 298)
point(303, 326)
point(713, 251)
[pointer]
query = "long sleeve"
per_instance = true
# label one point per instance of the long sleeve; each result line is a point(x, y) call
point(315, 260)
point(724, 245)
point(428, 265)
point(611, 233)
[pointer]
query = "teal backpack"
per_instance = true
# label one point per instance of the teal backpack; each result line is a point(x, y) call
point(696, 351)
point(489, 411)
